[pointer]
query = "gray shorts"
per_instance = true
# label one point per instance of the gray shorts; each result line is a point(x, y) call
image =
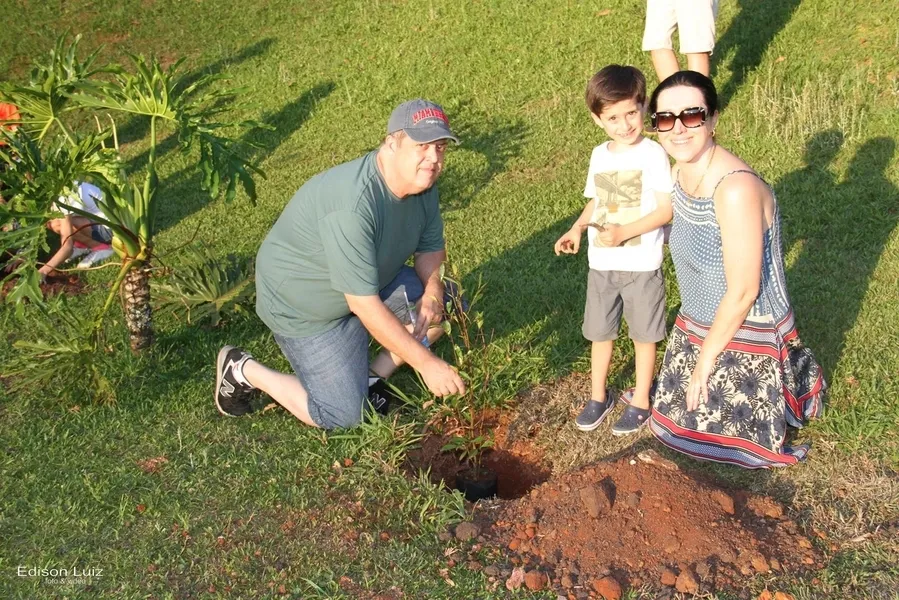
point(333, 366)
point(639, 294)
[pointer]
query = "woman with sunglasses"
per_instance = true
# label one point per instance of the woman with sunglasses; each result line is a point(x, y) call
point(735, 373)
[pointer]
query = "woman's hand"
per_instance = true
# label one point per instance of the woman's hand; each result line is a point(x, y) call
point(698, 388)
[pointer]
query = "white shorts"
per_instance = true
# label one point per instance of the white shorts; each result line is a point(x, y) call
point(694, 19)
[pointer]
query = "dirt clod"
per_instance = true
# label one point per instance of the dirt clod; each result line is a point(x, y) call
point(595, 499)
point(724, 500)
point(765, 507)
point(466, 531)
point(535, 580)
point(669, 577)
point(608, 588)
point(760, 564)
point(686, 582)
point(515, 579)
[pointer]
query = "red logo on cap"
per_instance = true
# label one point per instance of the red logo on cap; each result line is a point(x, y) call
point(427, 113)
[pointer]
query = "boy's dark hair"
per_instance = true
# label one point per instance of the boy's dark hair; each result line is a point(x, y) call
point(688, 79)
point(615, 83)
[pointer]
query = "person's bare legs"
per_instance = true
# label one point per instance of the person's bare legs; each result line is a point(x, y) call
point(600, 359)
point(645, 366)
point(386, 362)
point(285, 389)
point(699, 62)
point(665, 62)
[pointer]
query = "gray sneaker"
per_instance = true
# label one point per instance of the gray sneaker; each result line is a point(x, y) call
point(631, 421)
point(594, 412)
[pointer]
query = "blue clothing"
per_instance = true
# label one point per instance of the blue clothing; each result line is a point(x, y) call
point(764, 380)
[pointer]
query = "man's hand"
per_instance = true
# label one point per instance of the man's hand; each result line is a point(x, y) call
point(610, 235)
point(429, 312)
point(441, 378)
point(569, 243)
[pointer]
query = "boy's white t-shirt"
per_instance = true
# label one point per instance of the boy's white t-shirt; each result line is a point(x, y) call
point(623, 186)
point(86, 198)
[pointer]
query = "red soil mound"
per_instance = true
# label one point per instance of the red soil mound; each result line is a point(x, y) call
point(641, 521)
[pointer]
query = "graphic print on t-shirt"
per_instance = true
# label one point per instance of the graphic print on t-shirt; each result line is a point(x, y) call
point(618, 195)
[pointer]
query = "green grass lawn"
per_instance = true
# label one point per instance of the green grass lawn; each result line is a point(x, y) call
point(262, 506)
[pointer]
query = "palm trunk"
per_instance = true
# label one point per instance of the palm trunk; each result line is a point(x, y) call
point(138, 313)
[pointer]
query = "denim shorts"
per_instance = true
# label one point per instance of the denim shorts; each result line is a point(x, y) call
point(333, 366)
point(101, 233)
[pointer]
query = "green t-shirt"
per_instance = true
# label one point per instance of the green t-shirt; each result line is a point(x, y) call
point(343, 232)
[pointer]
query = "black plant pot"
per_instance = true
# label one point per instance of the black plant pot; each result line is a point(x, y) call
point(477, 484)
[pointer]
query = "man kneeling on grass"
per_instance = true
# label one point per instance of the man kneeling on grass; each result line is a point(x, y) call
point(332, 271)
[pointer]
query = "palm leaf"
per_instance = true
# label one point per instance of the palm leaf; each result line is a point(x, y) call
point(61, 357)
point(206, 287)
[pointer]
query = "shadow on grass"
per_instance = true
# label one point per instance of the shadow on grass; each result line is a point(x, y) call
point(139, 127)
point(185, 185)
point(527, 284)
point(748, 37)
point(495, 142)
point(839, 231)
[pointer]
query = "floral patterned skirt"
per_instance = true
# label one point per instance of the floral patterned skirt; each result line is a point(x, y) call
point(764, 380)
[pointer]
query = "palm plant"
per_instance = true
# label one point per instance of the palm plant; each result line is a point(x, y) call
point(206, 287)
point(43, 167)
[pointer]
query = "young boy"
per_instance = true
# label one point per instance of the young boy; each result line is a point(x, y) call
point(695, 23)
point(629, 177)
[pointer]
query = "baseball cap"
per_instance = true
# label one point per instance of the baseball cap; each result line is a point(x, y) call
point(422, 121)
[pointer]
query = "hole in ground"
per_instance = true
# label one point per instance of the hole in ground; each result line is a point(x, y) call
point(519, 465)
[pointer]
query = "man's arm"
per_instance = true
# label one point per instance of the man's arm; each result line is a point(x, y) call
point(430, 311)
point(383, 325)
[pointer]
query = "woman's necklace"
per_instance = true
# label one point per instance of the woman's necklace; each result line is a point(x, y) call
point(707, 165)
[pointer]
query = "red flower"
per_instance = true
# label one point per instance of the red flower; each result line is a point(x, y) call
point(8, 112)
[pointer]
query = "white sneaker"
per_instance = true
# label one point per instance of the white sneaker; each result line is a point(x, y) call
point(95, 257)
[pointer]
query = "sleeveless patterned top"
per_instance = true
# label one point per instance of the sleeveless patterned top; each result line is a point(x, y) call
point(696, 251)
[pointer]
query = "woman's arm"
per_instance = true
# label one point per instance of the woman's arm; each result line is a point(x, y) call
point(739, 206)
point(67, 243)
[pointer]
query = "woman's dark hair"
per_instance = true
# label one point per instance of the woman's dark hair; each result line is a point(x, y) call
point(688, 79)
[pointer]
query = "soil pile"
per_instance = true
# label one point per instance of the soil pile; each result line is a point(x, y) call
point(640, 521)
point(70, 285)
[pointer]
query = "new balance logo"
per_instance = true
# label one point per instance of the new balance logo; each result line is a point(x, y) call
point(227, 389)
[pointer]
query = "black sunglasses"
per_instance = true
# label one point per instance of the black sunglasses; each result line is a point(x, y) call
point(689, 117)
